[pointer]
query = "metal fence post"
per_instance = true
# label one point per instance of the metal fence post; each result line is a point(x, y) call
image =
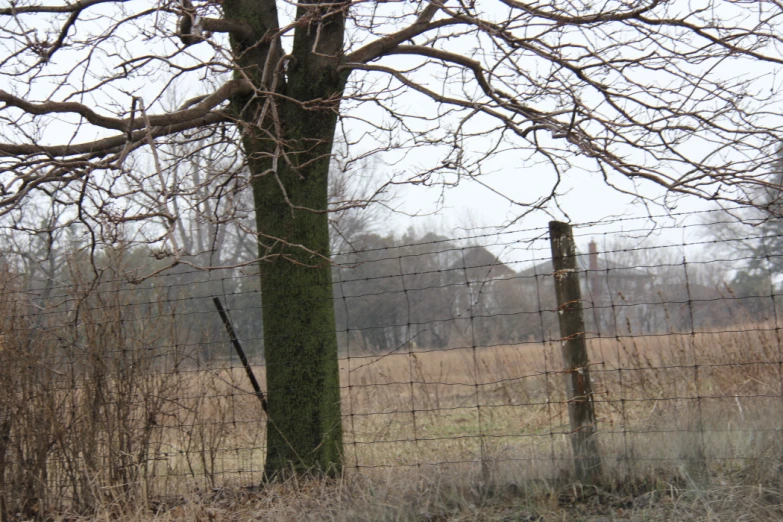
point(572, 331)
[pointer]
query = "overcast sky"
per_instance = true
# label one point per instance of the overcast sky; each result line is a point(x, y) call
point(509, 177)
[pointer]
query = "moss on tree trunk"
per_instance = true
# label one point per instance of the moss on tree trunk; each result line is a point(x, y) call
point(300, 344)
point(288, 139)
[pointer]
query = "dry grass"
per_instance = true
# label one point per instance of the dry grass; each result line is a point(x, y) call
point(438, 496)
point(689, 428)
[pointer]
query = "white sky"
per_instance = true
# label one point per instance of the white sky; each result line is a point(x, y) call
point(585, 198)
point(584, 195)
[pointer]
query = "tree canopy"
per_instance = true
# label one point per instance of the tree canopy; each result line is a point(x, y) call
point(680, 95)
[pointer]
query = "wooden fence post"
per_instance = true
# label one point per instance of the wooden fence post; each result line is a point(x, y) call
point(572, 332)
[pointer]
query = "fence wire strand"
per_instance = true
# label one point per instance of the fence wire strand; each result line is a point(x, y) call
point(449, 356)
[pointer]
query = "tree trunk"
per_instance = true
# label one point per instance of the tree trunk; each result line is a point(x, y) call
point(304, 427)
point(300, 343)
point(304, 430)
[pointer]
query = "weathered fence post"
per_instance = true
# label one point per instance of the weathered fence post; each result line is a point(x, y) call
point(572, 333)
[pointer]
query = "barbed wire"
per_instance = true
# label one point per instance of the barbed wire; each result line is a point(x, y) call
point(440, 365)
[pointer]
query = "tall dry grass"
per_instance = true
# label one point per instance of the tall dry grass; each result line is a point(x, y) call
point(96, 418)
point(704, 401)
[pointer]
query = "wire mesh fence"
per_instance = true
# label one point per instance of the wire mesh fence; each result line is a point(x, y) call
point(451, 357)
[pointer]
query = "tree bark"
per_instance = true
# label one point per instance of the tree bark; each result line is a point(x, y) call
point(288, 142)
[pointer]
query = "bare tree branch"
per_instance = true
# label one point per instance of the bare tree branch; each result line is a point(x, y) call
point(190, 112)
point(71, 7)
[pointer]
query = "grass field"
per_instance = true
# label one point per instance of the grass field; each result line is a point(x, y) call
point(685, 422)
point(507, 403)
point(689, 427)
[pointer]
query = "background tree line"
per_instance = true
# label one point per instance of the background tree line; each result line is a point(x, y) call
point(417, 290)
